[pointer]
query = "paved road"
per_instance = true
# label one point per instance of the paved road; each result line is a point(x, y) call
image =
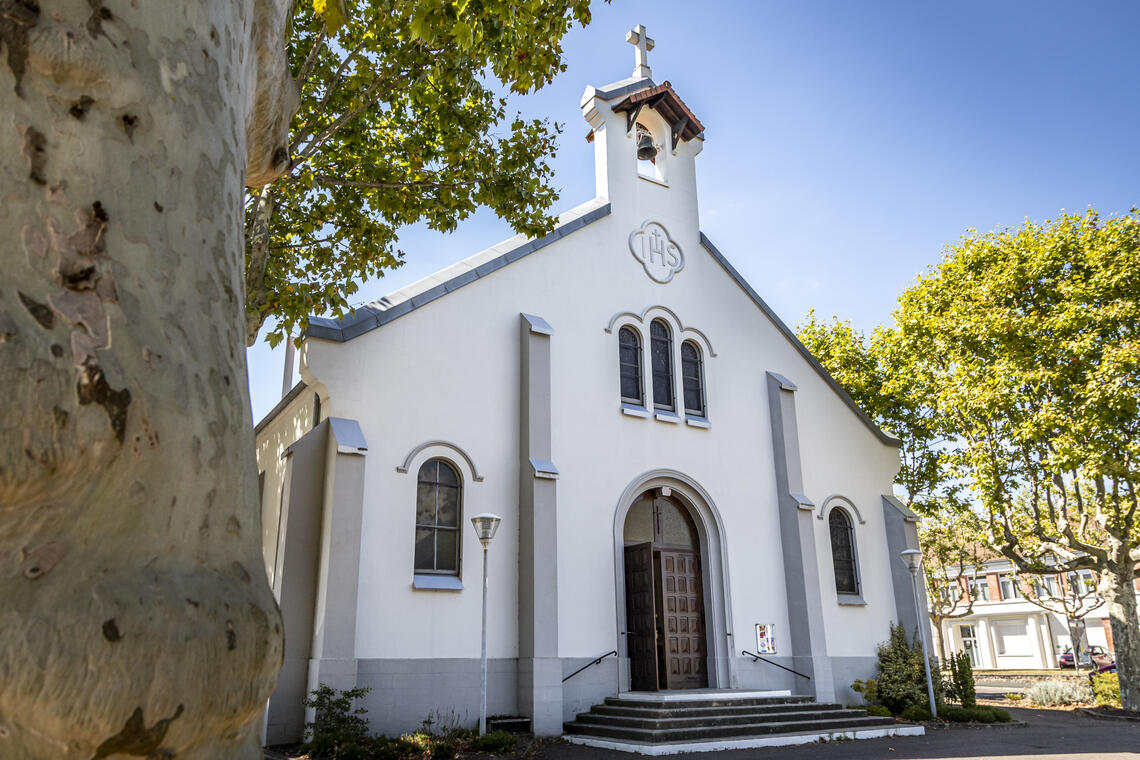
point(1050, 735)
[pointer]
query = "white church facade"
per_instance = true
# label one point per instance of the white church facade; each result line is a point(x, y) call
point(679, 481)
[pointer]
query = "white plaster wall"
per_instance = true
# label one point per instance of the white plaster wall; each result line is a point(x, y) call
point(292, 422)
point(450, 370)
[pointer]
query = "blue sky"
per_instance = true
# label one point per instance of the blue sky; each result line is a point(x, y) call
point(847, 143)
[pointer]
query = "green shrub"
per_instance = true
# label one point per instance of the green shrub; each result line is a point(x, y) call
point(1002, 716)
point(1014, 696)
point(962, 680)
point(1106, 689)
point(1052, 693)
point(902, 677)
point(879, 711)
point(916, 714)
point(442, 749)
point(339, 731)
point(494, 741)
point(869, 689)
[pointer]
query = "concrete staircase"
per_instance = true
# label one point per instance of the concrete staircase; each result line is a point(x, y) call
point(661, 723)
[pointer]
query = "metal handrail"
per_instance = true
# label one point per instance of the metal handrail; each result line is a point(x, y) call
point(756, 657)
point(588, 664)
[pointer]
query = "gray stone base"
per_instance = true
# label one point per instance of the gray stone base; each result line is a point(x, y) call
point(845, 670)
point(407, 692)
point(589, 687)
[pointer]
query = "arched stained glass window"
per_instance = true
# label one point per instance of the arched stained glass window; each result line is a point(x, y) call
point(661, 357)
point(629, 360)
point(438, 511)
point(843, 552)
point(692, 379)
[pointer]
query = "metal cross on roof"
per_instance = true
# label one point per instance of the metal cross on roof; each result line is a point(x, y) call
point(642, 41)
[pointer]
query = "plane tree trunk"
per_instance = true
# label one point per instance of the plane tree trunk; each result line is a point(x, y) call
point(1120, 596)
point(136, 618)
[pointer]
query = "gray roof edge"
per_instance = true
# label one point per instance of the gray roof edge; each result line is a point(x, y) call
point(342, 330)
point(287, 399)
point(907, 513)
point(791, 336)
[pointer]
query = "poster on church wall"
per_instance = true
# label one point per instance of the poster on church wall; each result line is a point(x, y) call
point(765, 638)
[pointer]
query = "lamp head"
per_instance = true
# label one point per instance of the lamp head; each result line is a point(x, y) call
point(912, 558)
point(485, 526)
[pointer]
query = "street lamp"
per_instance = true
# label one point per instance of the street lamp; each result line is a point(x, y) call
point(913, 560)
point(485, 526)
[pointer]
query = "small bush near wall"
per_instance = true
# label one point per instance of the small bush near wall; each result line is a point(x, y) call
point(340, 732)
point(1106, 689)
point(902, 676)
point(1053, 693)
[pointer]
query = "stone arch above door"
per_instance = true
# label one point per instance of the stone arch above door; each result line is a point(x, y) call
point(713, 546)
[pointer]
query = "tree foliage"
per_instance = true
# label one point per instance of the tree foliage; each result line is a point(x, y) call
point(402, 119)
point(1021, 353)
point(873, 372)
point(954, 552)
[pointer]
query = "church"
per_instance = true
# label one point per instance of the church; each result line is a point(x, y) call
point(689, 503)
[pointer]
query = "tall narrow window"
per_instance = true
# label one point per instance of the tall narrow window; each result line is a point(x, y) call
point(692, 379)
point(438, 508)
point(629, 360)
point(661, 356)
point(843, 552)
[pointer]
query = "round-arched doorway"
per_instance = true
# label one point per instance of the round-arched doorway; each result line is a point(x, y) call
point(666, 636)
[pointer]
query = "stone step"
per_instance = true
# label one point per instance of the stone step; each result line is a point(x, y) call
point(706, 733)
point(658, 722)
point(710, 701)
point(682, 710)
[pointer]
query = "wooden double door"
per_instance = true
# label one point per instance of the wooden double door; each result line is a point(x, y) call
point(665, 626)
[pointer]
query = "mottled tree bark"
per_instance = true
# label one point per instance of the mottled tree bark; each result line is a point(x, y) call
point(135, 617)
point(1120, 596)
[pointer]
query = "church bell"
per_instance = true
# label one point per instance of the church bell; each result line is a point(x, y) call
point(646, 150)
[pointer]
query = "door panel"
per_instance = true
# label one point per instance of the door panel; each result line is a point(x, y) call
point(683, 621)
point(641, 636)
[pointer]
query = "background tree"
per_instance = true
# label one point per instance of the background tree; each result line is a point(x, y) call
point(954, 553)
point(402, 120)
point(874, 373)
point(1029, 341)
point(1072, 596)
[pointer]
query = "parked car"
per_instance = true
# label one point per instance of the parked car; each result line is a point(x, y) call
point(1094, 655)
point(1109, 668)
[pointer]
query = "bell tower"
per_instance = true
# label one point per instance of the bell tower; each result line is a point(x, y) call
point(645, 142)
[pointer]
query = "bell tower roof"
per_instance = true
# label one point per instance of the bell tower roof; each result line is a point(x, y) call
point(664, 100)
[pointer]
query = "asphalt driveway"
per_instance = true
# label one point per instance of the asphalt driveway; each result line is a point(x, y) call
point(1052, 734)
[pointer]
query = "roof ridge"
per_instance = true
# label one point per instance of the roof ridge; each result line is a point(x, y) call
point(791, 336)
point(463, 272)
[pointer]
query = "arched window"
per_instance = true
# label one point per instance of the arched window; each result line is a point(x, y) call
point(661, 357)
point(843, 552)
point(692, 379)
point(438, 512)
point(629, 361)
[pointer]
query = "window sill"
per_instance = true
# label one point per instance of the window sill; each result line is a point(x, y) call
point(633, 410)
point(851, 600)
point(667, 416)
point(437, 582)
point(654, 180)
point(698, 422)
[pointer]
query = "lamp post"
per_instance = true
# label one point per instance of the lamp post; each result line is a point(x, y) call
point(913, 560)
point(485, 526)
